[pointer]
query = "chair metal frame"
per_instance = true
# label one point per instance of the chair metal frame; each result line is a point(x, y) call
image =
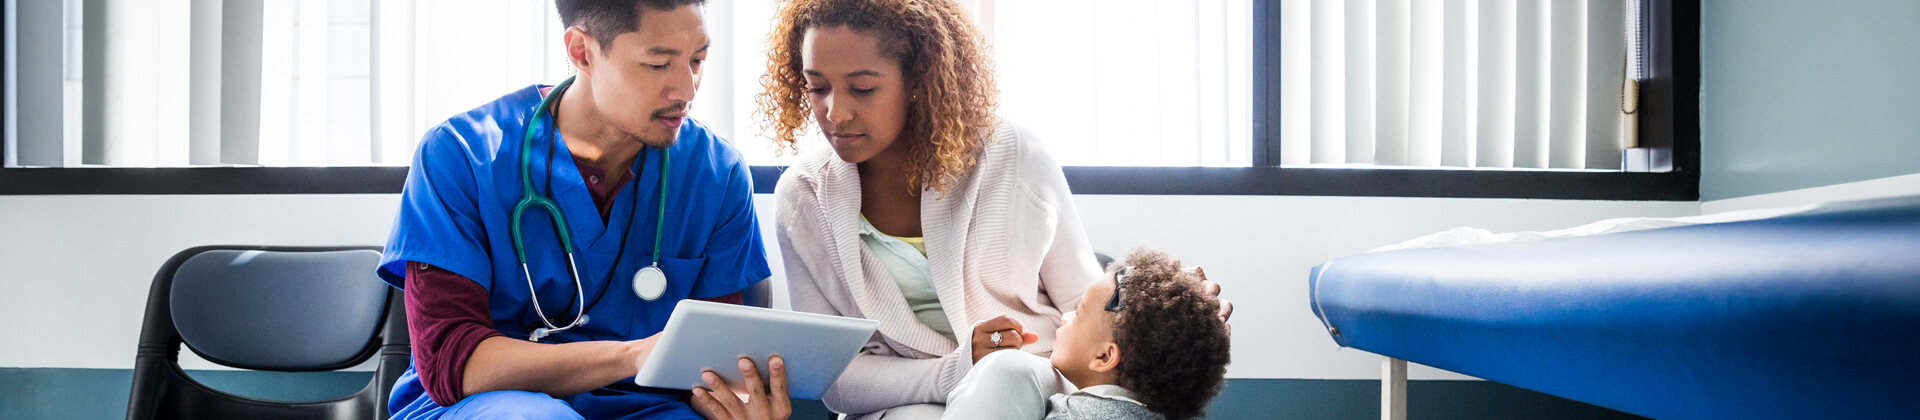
point(162, 390)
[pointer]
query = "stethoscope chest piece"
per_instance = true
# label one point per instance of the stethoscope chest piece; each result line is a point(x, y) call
point(649, 283)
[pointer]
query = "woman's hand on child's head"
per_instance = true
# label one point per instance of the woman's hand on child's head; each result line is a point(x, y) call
point(1012, 336)
point(1213, 289)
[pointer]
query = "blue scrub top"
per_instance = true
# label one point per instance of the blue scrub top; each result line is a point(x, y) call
point(456, 210)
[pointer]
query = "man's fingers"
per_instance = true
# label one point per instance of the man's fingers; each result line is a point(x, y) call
point(1212, 289)
point(718, 389)
point(756, 391)
point(751, 372)
point(777, 392)
point(706, 406)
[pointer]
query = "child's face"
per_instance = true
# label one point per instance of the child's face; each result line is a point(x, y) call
point(1086, 334)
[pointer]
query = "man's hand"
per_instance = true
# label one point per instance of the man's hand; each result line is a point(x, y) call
point(639, 350)
point(1012, 336)
point(762, 403)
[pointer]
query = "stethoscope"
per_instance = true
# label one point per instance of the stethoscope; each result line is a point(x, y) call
point(649, 283)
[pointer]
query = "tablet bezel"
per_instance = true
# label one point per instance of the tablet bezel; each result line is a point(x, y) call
point(706, 335)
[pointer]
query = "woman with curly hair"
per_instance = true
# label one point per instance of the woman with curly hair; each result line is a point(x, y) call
point(928, 213)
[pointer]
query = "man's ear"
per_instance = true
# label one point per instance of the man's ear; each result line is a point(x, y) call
point(1107, 359)
point(580, 49)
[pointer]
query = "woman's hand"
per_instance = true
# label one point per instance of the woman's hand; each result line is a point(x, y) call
point(762, 403)
point(1213, 289)
point(1012, 336)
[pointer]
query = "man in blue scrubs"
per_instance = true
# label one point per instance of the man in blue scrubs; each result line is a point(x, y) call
point(636, 184)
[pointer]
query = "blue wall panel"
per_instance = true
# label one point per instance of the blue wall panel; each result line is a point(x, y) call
point(1799, 94)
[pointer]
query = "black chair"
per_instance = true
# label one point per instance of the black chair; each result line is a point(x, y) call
point(759, 294)
point(287, 309)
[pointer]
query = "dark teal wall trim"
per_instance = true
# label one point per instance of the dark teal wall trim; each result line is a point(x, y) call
point(71, 393)
point(1360, 399)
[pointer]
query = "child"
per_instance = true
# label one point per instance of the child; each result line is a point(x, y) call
point(1145, 344)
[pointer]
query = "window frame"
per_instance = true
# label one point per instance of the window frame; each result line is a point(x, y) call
point(1667, 166)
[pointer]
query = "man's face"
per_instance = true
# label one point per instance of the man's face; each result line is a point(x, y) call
point(643, 81)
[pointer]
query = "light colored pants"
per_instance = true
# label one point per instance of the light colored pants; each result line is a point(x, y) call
point(913, 412)
point(1006, 385)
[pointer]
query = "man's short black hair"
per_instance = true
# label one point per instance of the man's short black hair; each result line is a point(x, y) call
point(605, 19)
point(1174, 348)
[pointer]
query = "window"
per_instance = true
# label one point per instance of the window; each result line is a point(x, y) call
point(1101, 82)
point(1663, 166)
point(1141, 97)
point(1457, 83)
point(1127, 83)
point(272, 83)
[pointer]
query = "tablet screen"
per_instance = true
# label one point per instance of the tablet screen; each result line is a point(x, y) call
point(704, 336)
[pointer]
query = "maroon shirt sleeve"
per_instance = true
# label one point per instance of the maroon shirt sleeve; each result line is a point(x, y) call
point(447, 318)
point(734, 298)
point(447, 314)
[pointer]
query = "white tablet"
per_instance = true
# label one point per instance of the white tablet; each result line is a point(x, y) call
point(703, 336)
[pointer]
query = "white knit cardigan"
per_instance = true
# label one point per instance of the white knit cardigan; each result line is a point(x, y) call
point(1003, 240)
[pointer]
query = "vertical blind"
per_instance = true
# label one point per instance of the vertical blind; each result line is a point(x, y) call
point(1457, 83)
point(166, 83)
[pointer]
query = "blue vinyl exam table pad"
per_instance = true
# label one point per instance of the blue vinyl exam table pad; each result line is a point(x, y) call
point(1808, 315)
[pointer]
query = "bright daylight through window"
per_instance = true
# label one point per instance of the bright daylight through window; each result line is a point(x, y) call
point(172, 83)
point(1364, 83)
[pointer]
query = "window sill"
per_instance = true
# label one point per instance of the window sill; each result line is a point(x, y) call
point(1111, 180)
point(1385, 183)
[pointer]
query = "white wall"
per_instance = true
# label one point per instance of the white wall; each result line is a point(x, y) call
point(75, 270)
point(1260, 250)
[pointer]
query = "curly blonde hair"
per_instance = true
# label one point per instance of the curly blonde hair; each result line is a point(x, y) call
point(949, 70)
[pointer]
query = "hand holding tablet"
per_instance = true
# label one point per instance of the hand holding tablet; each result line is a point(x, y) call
point(702, 336)
point(768, 401)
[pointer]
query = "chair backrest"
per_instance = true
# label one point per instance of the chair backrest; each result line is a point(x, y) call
point(758, 294)
point(290, 309)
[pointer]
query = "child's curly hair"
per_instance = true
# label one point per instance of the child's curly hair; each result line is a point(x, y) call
point(1174, 348)
point(948, 66)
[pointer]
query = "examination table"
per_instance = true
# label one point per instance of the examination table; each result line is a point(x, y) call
point(1809, 315)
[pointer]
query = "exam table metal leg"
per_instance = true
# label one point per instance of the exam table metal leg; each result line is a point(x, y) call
point(1393, 389)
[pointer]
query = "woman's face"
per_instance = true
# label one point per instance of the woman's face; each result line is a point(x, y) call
point(858, 95)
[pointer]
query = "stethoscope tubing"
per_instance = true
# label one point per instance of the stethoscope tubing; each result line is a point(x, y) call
point(530, 198)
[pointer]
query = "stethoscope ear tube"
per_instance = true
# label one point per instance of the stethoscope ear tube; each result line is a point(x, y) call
point(529, 198)
point(579, 314)
point(649, 282)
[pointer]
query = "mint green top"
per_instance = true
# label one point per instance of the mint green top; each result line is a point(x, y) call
point(906, 260)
